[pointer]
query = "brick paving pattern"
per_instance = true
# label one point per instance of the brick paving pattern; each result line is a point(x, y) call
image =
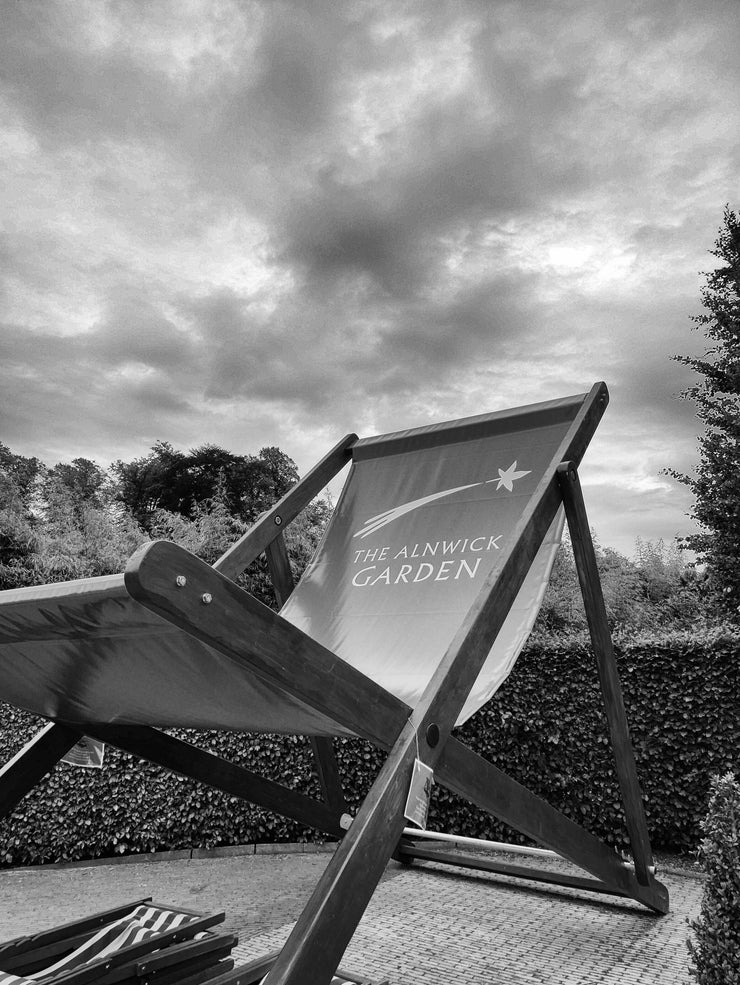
point(423, 927)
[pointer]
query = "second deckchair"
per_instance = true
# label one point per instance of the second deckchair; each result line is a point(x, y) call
point(408, 619)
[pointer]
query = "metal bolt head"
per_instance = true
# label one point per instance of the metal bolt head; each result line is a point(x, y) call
point(206, 598)
point(278, 520)
point(181, 581)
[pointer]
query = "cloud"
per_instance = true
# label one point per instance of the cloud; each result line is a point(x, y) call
point(245, 224)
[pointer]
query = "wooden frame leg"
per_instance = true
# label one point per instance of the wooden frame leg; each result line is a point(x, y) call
point(21, 773)
point(624, 756)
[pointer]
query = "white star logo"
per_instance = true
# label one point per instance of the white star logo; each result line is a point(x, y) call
point(509, 477)
point(374, 523)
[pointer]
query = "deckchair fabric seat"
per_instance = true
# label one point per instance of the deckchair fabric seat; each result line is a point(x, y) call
point(421, 521)
point(151, 941)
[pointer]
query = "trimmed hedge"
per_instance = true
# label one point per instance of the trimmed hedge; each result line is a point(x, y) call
point(545, 727)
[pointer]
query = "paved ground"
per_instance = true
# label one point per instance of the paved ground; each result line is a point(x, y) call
point(424, 926)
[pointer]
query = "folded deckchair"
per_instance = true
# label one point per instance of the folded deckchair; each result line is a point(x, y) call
point(407, 620)
point(130, 943)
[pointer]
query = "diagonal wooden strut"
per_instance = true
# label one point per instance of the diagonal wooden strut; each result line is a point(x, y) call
point(188, 760)
point(256, 539)
point(468, 774)
point(21, 773)
point(30, 764)
point(624, 756)
point(409, 851)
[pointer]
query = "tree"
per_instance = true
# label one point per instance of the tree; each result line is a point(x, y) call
point(19, 482)
point(656, 589)
point(84, 479)
point(716, 485)
point(178, 482)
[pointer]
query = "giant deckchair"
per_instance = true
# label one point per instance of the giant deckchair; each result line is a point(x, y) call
point(407, 620)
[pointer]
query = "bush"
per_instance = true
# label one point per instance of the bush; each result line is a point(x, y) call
point(545, 727)
point(716, 953)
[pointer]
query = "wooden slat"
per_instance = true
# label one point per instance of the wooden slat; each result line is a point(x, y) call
point(271, 523)
point(484, 863)
point(259, 640)
point(466, 773)
point(624, 756)
point(21, 773)
point(27, 943)
point(278, 564)
point(188, 760)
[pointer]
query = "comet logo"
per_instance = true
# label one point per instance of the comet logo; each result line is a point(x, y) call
point(506, 479)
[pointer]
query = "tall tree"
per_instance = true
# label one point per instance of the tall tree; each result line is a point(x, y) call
point(716, 485)
point(20, 479)
point(178, 482)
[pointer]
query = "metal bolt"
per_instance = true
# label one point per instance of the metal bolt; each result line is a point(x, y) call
point(181, 581)
point(278, 520)
point(206, 598)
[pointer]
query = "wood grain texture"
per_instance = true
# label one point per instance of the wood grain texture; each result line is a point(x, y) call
point(259, 640)
point(188, 760)
point(484, 863)
point(611, 688)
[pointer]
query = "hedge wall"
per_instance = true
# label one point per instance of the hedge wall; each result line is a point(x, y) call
point(545, 727)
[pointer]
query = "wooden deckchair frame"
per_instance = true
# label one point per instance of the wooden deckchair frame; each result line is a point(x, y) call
point(206, 603)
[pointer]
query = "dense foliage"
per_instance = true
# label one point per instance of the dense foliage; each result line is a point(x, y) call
point(716, 485)
point(657, 589)
point(715, 952)
point(545, 727)
point(177, 482)
point(76, 520)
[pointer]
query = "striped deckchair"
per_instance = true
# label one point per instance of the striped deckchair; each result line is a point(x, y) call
point(407, 620)
point(146, 941)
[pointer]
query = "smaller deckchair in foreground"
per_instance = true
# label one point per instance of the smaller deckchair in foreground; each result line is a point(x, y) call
point(134, 944)
point(406, 621)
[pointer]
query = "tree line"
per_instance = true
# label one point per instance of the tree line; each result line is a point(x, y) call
point(78, 520)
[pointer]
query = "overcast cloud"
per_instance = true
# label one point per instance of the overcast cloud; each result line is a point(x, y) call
point(273, 223)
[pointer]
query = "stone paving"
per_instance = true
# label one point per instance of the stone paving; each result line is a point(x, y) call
point(425, 925)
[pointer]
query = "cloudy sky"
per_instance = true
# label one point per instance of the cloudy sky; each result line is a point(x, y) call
point(273, 223)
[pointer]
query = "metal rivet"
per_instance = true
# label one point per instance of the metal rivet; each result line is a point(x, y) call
point(181, 581)
point(206, 598)
point(432, 735)
point(278, 520)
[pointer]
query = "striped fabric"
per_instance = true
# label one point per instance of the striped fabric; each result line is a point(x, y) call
point(142, 924)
